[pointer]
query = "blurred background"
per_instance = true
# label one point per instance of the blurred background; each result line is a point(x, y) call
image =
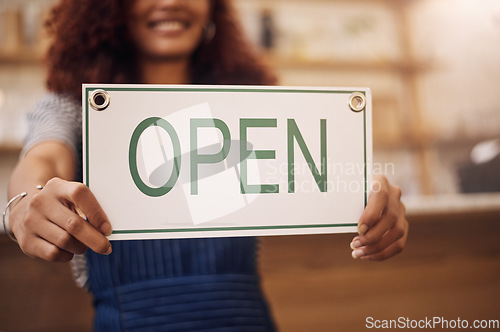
point(434, 70)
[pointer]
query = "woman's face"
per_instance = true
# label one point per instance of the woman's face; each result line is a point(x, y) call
point(167, 29)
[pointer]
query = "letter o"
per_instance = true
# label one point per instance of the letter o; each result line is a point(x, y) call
point(134, 172)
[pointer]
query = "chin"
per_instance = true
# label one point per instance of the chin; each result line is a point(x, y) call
point(171, 52)
point(167, 56)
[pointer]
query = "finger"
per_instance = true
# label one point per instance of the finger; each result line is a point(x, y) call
point(376, 203)
point(59, 237)
point(79, 197)
point(393, 235)
point(355, 243)
point(39, 248)
point(75, 225)
point(388, 220)
point(392, 250)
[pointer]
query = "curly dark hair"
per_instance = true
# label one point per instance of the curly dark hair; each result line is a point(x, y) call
point(91, 45)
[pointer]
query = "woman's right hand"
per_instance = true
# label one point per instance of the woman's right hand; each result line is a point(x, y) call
point(51, 224)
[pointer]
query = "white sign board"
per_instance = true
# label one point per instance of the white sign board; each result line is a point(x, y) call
point(208, 161)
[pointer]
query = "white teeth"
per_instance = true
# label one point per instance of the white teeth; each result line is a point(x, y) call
point(168, 26)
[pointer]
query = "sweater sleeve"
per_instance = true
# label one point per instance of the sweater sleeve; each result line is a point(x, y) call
point(56, 118)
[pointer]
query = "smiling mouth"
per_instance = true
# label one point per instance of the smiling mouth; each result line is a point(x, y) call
point(168, 26)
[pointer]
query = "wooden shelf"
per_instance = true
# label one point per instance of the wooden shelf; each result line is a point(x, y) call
point(349, 65)
point(368, 2)
point(21, 58)
point(427, 140)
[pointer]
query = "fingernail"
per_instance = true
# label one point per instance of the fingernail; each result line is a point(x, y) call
point(362, 229)
point(110, 249)
point(357, 253)
point(106, 229)
point(355, 244)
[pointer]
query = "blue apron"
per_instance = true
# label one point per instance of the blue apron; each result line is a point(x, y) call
point(179, 285)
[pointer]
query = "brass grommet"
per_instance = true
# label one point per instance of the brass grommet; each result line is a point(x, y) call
point(99, 100)
point(357, 102)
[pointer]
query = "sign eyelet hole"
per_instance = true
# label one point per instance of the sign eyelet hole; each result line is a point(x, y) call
point(99, 100)
point(357, 102)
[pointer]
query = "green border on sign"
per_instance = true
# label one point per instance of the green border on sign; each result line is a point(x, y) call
point(215, 89)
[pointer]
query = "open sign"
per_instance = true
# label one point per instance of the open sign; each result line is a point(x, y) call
point(208, 161)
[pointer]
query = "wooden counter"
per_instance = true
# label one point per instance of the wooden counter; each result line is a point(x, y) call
point(450, 268)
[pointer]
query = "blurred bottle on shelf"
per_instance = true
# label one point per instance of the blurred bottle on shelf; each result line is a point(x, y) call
point(267, 30)
point(10, 30)
point(22, 34)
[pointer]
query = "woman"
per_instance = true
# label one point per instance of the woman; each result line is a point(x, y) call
point(188, 284)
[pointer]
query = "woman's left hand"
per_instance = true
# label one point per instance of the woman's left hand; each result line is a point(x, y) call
point(382, 227)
